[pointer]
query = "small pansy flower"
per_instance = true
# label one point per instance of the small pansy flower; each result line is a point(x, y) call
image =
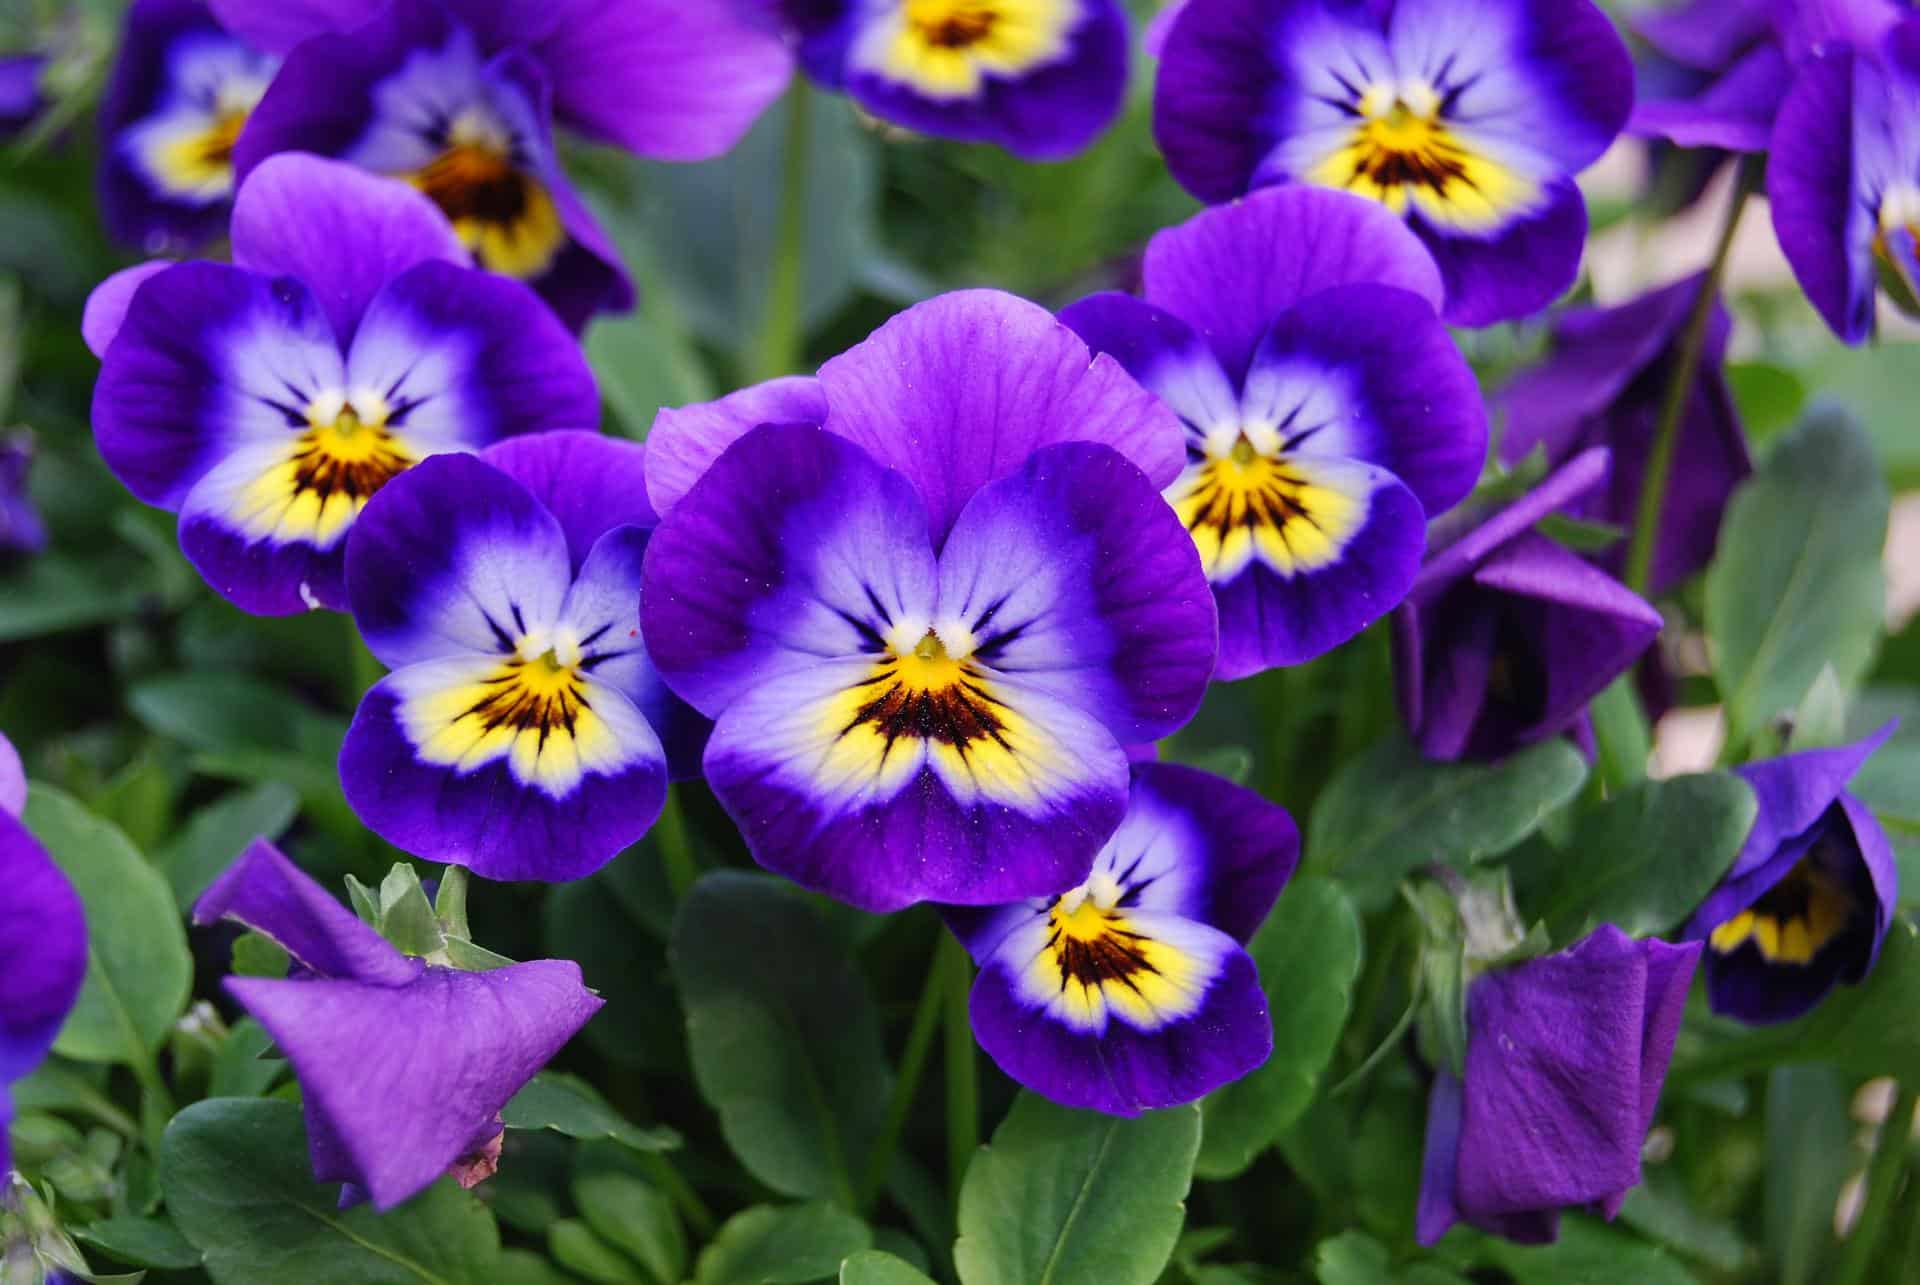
point(459, 98)
point(1811, 895)
point(1133, 991)
point(1469, 120)
point(181, 92)
point(403, 1065)
point(928, 628)
point(1843, 178)
point(21, 98)
point(22, 533)
point(1040, 78)
point(1507, 636)
point(43, 944)
point(1328, 413)
point(268, 400)
point(520, 734)
point(1566, 1057)
point(1603, 383)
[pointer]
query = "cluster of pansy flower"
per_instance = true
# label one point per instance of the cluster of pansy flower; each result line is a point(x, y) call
point(915, 619)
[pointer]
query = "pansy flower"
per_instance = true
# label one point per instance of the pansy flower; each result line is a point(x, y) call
point(459, 98)
point(1843, 178)
point(22, 532)
point(182, 89)
point(1038, 77)
point(927, 628)
point(1506, 635)
point(1469, 118)
point(404, 1065)
point(20, 95)
point(520, 733)
point(43, 944)
point(1133, 991)
point(1566, 1057)
point(1809, 899)
point(268, 400)
point(1603, 383)
point(1328, 412)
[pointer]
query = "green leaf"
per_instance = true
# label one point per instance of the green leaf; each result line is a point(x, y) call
point(1390, 811)
point(567, 1104)
point(1797, 583)
point(579, 1249)
point(636, 1218)
point(781, 1245)
point(239, 1069)
point(1809, 1155)
point(1589, 1252)
point(237, 1183)
point(1659, 1208)
point(139, 973)
point(871, 1267)
point(258, 955)
point(216, 711)
point(1308, 953)
point(216, 835)
point(783, 1033)
point(1644, 859)
point(144, 1242)
point(1066, 1197)
point(1352, 1258)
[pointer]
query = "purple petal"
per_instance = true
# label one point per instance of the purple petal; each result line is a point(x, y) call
point(107, 306)
point(271, 895)
point(240, 530)
point(43, 952)
point(1707, 34)
point(590, 482)
point(285, 23)
point(686, 440)
point(1736, 112)
point(1517, 272)
point(1810, 187)
point(406, 1076)
point(1669, 975)
point(1230, 272)
point(1440, 1158)
point(958, 391)
point(1074, 575)
point(1562, 487)
point(13, 779)
point(341, 231)
point(1162, 352)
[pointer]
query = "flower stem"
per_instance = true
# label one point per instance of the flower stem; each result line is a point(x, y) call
point(676, 848)
point(777, 350)
point(1693, 342)
point(1883, 1183)
point(913, 1061)
point(963, 1078)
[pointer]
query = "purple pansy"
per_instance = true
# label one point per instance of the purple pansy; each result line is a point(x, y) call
point(1328, 412)
point(928, 627)
point(403, 1065)
point(1132, 991)
point(520, 733)
point(43, 944)
point(1810, 897)
point(20, 96)
point(1843, 177)
point(1506, 635)
point(1038, 77)
point(459, 97)
point(22, 533)
point(1566, 1056)
point(1469, 118)
point(1602, 384)
point(181, 91)
point(268, 400)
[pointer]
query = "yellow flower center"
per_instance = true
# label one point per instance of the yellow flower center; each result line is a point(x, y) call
point(1244, 502)
point(1793, 921)
point(500, 212)
point(945, 49)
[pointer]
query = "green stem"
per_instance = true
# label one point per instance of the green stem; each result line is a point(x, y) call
point(777, 351)
point(913, 1061)
point(963, 1072)
point(1693, 342)
point(1883, 1183)
point(676, 846)
point(681, 1192)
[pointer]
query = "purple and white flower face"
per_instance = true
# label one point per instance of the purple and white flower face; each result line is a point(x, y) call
point(517, 734)
point(181, 93)
point(927, 629)
point(1038, 77)
point(269, 400)
point(1328, 413)
point(1132, 991)
point(1466, 119)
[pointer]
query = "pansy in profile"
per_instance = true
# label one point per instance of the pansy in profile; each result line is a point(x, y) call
point(182, 89)
point(43, 943)
point(1040, 78)
point(1328, 413)
point(1602, 383)
point(928, 626)
point(404, 1063)
point(520, 734)
point(459, 98)
point(1468, 118)
point(1133, 991)
point(267, 400)
point(1507, 635)
point(1808, 901)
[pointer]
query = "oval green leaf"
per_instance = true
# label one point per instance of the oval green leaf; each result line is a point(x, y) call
point(781, 1245)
